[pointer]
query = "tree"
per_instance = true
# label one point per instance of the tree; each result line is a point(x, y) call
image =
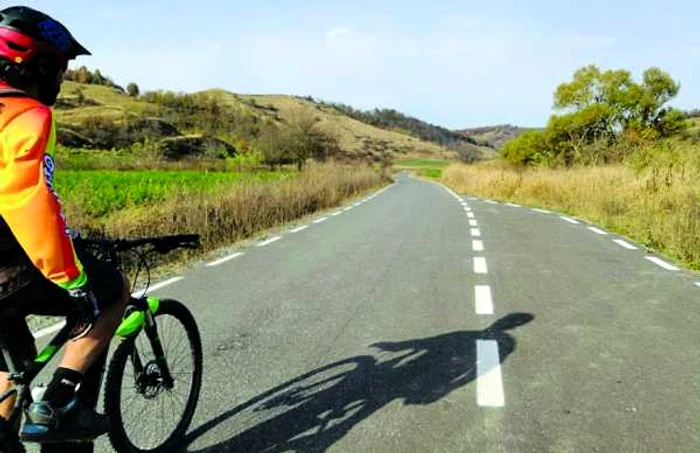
point(133, 89)
point(621, 103)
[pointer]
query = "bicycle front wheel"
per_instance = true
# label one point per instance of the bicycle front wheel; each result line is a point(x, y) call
point(146, 415)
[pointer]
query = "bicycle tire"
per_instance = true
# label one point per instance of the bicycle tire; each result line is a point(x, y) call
point(115, 374)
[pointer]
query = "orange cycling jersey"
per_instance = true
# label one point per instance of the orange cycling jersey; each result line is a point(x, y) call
point(28, 203)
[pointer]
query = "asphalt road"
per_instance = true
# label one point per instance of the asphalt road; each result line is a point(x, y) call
point(387, 328)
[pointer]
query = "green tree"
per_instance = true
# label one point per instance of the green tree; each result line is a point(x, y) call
point(133, 89)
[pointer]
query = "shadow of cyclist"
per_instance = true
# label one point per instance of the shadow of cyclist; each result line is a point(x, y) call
point(313, 411)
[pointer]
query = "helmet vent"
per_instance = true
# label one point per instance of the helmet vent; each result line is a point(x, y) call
point(16, 47)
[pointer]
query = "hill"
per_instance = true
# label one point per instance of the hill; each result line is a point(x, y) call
point(492, 136)
point(103, 117)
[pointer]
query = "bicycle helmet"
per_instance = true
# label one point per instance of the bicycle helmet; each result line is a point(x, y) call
point(35, 48)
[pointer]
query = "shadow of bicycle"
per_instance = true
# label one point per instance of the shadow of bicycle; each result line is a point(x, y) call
point(313, 411)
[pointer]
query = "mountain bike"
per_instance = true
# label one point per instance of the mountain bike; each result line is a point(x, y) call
point(153, 378)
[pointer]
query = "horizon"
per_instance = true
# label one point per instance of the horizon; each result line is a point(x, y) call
point(454, 64)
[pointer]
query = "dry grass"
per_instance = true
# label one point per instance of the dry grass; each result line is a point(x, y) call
point(240, 211)
point(351, 133)
point(658, 206)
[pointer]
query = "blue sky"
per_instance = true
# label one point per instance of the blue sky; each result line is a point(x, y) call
point(453, 63)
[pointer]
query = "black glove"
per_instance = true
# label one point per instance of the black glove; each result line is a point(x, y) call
point(84, 310)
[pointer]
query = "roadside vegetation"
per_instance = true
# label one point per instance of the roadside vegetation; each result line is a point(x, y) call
point(214, 163)
point(616, 154)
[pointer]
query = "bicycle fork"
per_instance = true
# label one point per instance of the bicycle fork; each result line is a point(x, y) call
point(151, 329)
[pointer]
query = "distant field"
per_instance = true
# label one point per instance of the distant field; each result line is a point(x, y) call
point(102, 192)
point(435, 163)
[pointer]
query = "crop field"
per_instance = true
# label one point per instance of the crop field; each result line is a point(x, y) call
point(99, 193)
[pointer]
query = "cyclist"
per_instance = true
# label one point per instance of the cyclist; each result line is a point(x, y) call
point(40, 270)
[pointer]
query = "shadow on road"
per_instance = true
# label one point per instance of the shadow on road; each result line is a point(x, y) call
point(313, 411)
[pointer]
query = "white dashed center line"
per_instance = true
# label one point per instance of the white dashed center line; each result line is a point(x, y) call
point(473, 223)
point(269, 241)
point(475, 232)
point(489, 383)
point(480, 265)
point(321, 220)
point(298, 229)
point(697, 284)
point(625, 244)
point(225, 259)
point(484, 301)
point(470, 215)
point(570, 220)
point(467, 209)
point(478, 246)
point(662, 263)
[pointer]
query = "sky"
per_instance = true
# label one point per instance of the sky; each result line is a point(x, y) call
point(456, 63)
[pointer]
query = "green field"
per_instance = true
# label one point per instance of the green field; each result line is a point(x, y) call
point(102, 192)
point(431, 163)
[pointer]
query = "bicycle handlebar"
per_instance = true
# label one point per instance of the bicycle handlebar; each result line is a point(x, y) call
point(161, 244)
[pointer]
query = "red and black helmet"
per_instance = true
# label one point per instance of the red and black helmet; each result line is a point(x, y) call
point(26, 34)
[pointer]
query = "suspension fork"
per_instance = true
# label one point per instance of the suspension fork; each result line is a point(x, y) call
point(151, 329)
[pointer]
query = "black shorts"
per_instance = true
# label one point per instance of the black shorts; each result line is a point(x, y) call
point(44, 298)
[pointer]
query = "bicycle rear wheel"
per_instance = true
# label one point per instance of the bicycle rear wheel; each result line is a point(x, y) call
point(145, 415)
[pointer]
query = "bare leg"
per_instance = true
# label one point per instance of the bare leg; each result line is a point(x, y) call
point(81, 354)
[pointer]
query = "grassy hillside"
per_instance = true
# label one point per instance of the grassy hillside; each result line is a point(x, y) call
point(81, 103)
point(355, 137)
point(493, 136)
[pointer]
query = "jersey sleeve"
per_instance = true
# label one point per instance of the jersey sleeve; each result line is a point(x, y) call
point(28, 203)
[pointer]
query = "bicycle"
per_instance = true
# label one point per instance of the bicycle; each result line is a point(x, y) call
point(146, 363)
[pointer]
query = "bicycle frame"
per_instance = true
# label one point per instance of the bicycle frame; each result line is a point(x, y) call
point(139, 316)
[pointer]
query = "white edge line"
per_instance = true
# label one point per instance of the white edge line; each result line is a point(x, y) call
point(697, 284)
point(513, 205)
point(489, 383)
point(268, 242)
point(348, 208)
point(598, 231)
point(141, 293)
point(543, 211)
point(662, 263)
point(225, 259)
point(45, 332)
point(321, 220)
point(625, 244)
point(337, 213)
point(570, 220)
point(298, 229)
